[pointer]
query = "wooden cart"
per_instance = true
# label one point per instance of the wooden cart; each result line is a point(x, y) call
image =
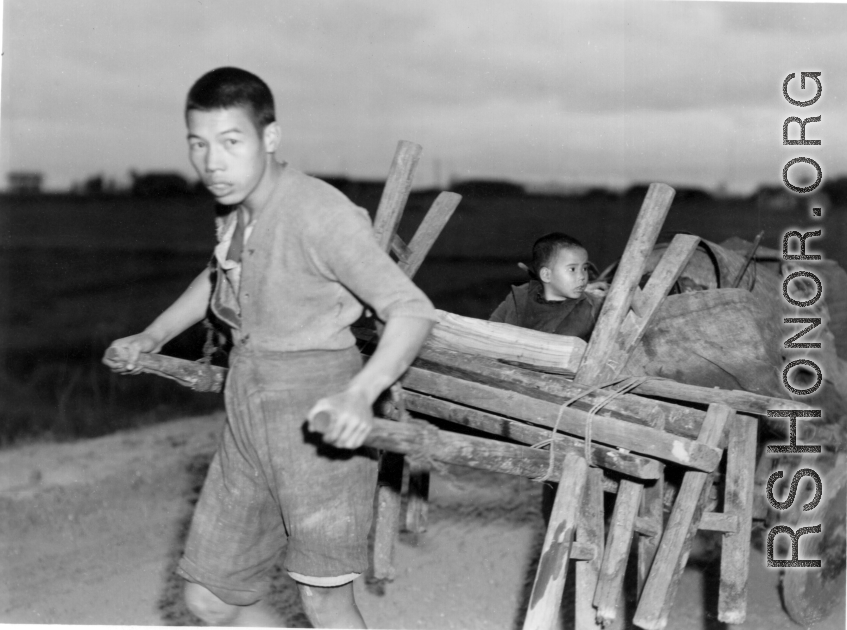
point(600, 431)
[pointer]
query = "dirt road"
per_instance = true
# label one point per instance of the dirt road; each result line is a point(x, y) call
point(91, 532)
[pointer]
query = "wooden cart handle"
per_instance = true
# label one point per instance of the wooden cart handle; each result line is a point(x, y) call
point(201, 377)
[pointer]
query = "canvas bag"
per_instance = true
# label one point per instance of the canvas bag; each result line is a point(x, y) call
point(718, 337)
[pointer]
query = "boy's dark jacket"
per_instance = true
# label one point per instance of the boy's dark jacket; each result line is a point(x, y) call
point(526, 307)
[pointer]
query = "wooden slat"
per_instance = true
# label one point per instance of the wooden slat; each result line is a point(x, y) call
point(739, 400)
point(647, 226)
point(506, 341)
point(610, 584)
point(738, 502)
point(652, 511)
point(604, 456)
point(590, 530)
point(548, 588)
point(396, 192)
point(429, 229)
point(640, 439)
point(663, 579)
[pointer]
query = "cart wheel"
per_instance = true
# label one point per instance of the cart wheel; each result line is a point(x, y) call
point(810, 595)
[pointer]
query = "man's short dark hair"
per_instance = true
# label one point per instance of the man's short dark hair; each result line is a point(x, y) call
point(225, 88)
point(547, 247)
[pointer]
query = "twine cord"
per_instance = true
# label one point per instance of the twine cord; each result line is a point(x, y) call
point(625, 385)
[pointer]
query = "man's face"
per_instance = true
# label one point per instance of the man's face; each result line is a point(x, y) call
point(228, 152)
point(567, 274)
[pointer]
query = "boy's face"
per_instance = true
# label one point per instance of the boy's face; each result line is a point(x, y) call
point(228, 152)
point(566, 275)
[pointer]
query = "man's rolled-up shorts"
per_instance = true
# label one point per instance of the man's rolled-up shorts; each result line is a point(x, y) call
point(273, 486)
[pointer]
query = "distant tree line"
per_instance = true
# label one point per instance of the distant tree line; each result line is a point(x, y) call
point(833, 190)
point(150, 184)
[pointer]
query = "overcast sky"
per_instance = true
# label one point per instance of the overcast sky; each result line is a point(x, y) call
point(605, 93)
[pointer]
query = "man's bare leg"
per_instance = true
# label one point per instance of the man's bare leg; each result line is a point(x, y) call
point(331, 607)
point(216, 612)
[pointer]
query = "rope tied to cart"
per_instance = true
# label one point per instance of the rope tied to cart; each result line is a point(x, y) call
point(206, 381)
point(624, 385)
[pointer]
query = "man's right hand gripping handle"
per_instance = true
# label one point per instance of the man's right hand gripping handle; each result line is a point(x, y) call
point(122, 355)
point(187, 310)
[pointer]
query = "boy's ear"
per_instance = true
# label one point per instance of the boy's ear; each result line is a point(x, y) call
point(544, 274)
point(272, 136)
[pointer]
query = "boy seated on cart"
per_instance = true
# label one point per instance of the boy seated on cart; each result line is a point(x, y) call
point(295, 261)
point(556, 299)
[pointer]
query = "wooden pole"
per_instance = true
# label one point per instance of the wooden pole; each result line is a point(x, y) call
point(388, 499)
point(199, 377)
point(424, 442)
point(652, 510)
point(396, 192)
point(590, 530)
point(663, 579)
point(738, 501)
point(548, 588)
point(618, 300)
point(606, 457)
point(610, 583)
point(386, 514)
point(429, 229)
